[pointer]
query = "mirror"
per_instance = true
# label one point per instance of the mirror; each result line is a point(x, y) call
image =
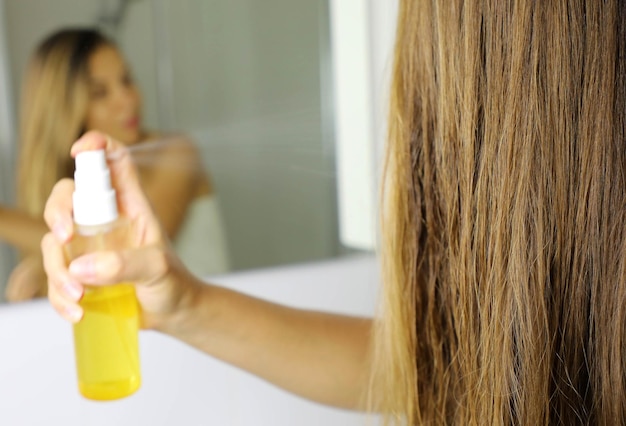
point(249, 82)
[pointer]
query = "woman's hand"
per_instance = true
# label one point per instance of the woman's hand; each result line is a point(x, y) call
point(163, 286)
point(317, 355)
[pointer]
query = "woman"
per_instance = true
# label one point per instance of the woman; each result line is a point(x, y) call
point(503, 224)
point(79, 81)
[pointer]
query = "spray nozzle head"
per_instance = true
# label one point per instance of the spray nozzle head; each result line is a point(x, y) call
point(94, 198)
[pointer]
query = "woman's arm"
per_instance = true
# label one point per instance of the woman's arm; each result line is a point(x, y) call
point(27, 280)
point(21, 230)
point(320, 356)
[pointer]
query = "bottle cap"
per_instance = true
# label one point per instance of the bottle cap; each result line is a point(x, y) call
point(94, 198)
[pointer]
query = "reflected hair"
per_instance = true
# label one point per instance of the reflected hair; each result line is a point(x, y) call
point(52, 113)
point(504, 212)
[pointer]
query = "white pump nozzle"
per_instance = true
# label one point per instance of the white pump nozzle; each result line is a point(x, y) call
point(93, 198)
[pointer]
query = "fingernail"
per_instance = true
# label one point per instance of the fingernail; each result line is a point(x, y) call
point(74, 313)
point(61, 232)
point(73, 290)
point(83, 267)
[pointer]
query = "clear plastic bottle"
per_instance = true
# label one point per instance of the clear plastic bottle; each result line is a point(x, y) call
point(106, 339)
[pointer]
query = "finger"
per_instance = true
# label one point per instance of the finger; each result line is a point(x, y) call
point(142, 265)
point(59, 280)
point(68, 309)
point(58, 210)
point(63, 291)
point(90, 141)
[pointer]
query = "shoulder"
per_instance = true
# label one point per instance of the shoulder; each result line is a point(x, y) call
point(168, 148)
point(175, 154)
point(172, 142)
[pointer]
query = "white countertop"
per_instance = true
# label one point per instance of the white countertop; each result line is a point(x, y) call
point(180, 385)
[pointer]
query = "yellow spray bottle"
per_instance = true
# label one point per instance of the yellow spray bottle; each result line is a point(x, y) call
point(106, 338)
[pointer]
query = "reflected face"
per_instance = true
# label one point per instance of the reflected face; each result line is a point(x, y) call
point(114, 101)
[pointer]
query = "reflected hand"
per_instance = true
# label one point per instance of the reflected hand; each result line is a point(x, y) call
point(163, 285)
point(27, 280)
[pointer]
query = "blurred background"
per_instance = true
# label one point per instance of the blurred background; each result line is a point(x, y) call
point(249, 81)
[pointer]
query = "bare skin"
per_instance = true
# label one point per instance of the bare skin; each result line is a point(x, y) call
point(114, 108)
point(169, 189)
point(24, 232)
point(319, 356)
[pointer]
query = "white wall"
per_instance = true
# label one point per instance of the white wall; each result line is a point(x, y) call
point(246, 80)
point(363, 33)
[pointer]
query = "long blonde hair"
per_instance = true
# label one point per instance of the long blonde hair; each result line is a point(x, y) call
point(505, 215)
point(53, 112)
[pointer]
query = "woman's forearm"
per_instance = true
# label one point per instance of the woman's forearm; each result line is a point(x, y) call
point(319, 356)
point(27, 280)
point(21, 230)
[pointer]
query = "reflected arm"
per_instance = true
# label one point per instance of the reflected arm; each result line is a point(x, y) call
point(323, 357)
point(27, 280)
point(24, 232)
point(21, 230)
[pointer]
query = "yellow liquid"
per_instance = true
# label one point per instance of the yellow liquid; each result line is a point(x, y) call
point(106, 343)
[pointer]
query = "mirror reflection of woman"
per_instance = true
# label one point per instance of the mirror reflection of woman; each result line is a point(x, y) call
point(77, 81)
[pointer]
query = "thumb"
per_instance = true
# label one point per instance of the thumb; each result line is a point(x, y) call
point(143, 265)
